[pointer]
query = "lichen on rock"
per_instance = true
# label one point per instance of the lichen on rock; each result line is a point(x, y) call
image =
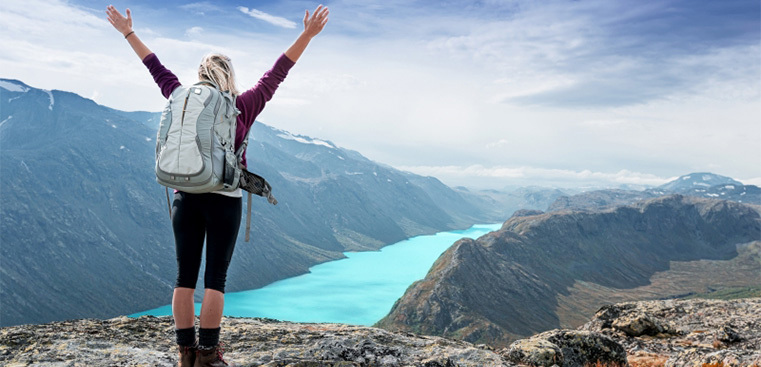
point(567, 348)
point(686, 332)
point(149, 341)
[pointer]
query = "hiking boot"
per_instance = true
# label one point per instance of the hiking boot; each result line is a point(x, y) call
point(210, 358)
point(187, 356)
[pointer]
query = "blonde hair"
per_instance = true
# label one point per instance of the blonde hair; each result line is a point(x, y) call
point(218, 69)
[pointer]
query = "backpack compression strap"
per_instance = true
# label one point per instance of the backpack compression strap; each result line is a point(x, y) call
point(168, 205)
point(248, 217)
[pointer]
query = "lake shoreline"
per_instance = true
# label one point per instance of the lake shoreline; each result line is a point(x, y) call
point(358, 289)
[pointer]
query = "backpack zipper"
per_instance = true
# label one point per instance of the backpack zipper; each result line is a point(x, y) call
point(182, 123)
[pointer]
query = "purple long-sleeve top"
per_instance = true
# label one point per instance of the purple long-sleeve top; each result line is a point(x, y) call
point(250, 103)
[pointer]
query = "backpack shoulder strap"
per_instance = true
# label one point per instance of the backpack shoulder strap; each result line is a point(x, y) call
point(209, 83)
point(243, 145)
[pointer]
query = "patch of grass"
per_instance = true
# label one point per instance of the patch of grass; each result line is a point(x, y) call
point(648, 364)
point(647, 360)
point(729, 293)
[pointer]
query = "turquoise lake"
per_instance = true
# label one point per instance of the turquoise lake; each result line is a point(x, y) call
point(358, 290)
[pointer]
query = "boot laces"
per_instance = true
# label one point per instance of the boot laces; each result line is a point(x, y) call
point(220, 351)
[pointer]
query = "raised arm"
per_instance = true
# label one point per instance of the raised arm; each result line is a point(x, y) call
point(164, 77)
point(124, 26)
point(313, 25)
point(252, 101)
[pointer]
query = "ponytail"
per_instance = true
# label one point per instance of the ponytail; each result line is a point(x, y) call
point(218, 69)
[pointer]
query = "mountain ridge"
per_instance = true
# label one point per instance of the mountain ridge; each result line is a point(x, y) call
point(510, 283)
point(697, 184)
point(85, 225)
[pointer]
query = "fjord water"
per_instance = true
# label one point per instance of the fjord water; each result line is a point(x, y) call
point(359, 289)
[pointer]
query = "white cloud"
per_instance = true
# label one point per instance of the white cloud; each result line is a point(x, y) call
point(201, 8)
point(604, 123)
point(498, 143)
point(146, 31)
point(42, 46)
point(193, 32)
point(274, 20)
point(599, 54)
point(105, 63)
point(289, 102)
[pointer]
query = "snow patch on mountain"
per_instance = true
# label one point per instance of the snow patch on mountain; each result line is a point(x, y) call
point(303, 140)
point(52, 100)
point(13, 87)
point(25, 166)
point(6, 120)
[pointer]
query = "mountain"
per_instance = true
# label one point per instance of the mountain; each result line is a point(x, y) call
point(710, 185)
point(550, 270)
point(699, 180)
point(700, 184)
point(600, 199)
point(508, 200)
point(85, 228)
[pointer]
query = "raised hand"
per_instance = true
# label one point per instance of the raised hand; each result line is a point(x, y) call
point(122, 24)
point(313, 25)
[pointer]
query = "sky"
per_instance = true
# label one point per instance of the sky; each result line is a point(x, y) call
point(484, 94)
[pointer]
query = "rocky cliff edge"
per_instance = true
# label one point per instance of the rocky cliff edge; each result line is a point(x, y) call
point(650, 333)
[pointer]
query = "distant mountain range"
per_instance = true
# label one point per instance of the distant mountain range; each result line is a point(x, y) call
point(549, 270)
point(85, 227)
point(700, 184)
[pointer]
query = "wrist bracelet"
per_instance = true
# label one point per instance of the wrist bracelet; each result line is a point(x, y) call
point(128, 34)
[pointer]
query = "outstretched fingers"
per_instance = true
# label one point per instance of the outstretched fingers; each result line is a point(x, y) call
point(112, 13)
point(320, 13)
point(117, 20)
point(316, 22)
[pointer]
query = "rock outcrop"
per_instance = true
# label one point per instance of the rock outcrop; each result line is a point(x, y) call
point(686, 333)
point(149, 341)
point(566, 348)
point(553, 270)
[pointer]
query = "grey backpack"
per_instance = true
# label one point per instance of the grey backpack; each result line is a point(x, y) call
point(195, 146)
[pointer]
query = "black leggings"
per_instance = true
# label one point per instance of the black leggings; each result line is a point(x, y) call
point(195, 216)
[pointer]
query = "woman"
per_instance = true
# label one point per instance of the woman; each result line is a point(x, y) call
point(215, 216)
